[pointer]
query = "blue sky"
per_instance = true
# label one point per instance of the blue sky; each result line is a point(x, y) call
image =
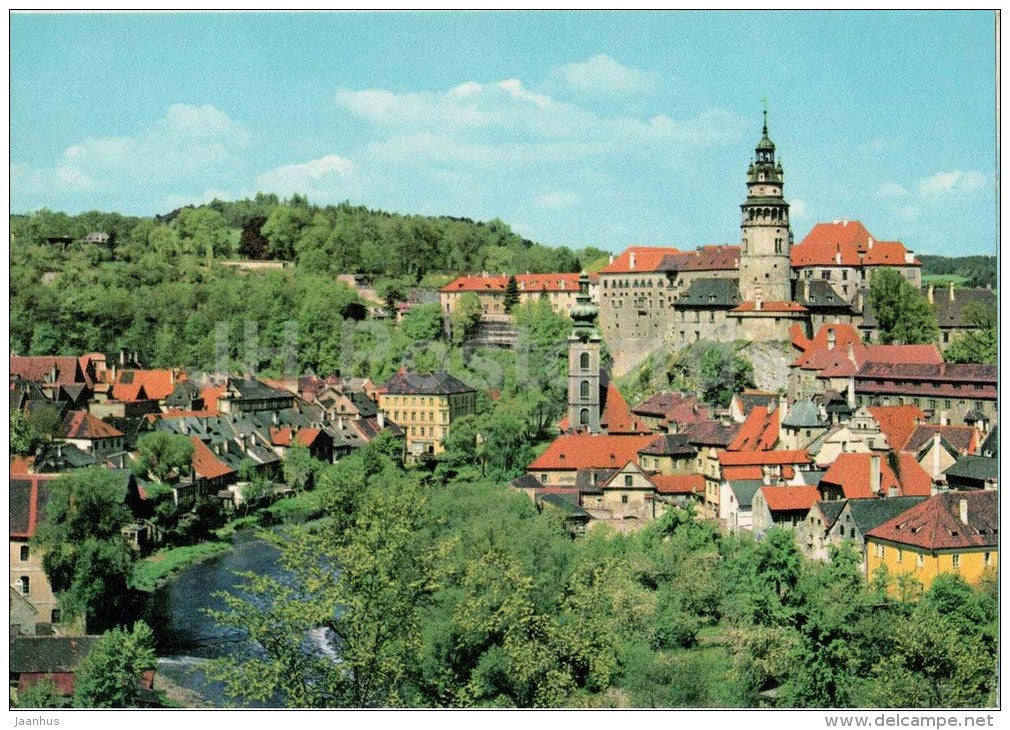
point(595, 128)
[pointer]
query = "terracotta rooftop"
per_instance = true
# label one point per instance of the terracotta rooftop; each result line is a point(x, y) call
point(39, 368)
point(896, 422)
point(936, 524)
point(205, 464)
point(157, 384)
point(646, 258)
point(82, 425)
point(962, 438)
point(847, 243)
point(680, 408)
point(758, 432)
point(679, 483)
point(758, 458)
point(790, 499)
point(589, 451)
point(851, 472)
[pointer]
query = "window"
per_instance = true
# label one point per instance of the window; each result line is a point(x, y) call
point(24, 584)
point(584, 361)
point(624, 499)
point(899, 556)
point(24, 553)
point(918, 560)
point(988, 559)
point(54, 617)
point(584, 390)
point(880, 550)
point(955, 561)
point(627, 480)
point(584, 417)
point(543, 478)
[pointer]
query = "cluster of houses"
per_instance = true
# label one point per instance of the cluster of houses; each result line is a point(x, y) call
point(242, 428)
point(886, 446)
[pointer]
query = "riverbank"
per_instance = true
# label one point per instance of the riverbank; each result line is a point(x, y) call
point(159, 568)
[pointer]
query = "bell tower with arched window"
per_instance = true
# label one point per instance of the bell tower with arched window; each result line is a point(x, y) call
point(584, 364)
point(765, 240)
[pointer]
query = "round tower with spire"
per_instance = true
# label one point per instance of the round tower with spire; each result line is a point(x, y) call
point(765, 241)
point(584, 363)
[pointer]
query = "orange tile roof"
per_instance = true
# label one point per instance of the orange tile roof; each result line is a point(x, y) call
point(758, 432)
point(790, 499)
point(846, 244)
point(82, 425)
point(307, 436)
point(280, 436)
point(678, 483)
point(732, 473)
point(205, 464)
point(158, 384)
point(817, 354)
point(896, 422)
point(210, 397)
point(617, 417)
point(590, 451)
point(851, 472)
point(647, 258)
point(936, 523)
point(751, 458)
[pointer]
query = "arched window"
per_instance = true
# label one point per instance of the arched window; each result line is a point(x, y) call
point(584, 361)
point(584, 417)
point(584, 389)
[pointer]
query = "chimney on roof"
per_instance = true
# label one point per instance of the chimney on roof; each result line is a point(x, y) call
point(838, 255)
point(851, 354)
point(522, 285)
point(562, 284)
point(611, 258)
point(52, 373)
point(275, 418)
point(936, 456)
point(171, 376)
point(806, 290)
point(831, 338)
point(851, 392)
point(631, 260)
point(909, 257)
point(380, 419)
point(875, 475)
point(869, 242)
point(845, 221)
point(929, 294)
point(950, 291)
point(962, 510)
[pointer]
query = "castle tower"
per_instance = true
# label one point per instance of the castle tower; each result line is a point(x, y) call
point(765, 271)
point(584, 364)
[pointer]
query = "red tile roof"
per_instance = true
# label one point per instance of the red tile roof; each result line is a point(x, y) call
point(205, 464)
point(936, 523)
point(38, 368)
point(759, 431)
point(705, 258)
point(157, 384)
point(82, 425)
point(752, 458)
point(280, 436)
point(676, 408)
point(27, 501)
point(817, 354)
point(616, 417)
point(851, 472)
point(896, 422)
point(559, 282)
point(846, 361)
point(646, 259)
point(210, 397)
point(589, 451)
point(307, 436)
point(678, 483)
point(733, 473)
point(790, 499)
point(962, 438)
point(846, 244)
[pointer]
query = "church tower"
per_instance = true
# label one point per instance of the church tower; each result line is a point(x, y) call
point(584, 364)
point(765, 271)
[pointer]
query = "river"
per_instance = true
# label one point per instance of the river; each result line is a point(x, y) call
point(186, 636)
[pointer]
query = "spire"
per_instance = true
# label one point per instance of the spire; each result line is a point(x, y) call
point(764, 129)
point(584, 312)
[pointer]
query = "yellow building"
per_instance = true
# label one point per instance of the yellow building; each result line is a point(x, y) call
point(424, 405)
point(953, 532)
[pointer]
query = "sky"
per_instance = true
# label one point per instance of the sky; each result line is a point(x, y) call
point(607, 129)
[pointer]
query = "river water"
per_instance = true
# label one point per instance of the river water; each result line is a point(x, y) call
point(186, 636)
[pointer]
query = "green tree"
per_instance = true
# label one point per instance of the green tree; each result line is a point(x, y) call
point(979, 344)
point(511, 295)
point(43, 694)
point(903, 314)
point(465, 317)
point(298, 467)
point(23, 437)
point(161, 453)
point(423, 322)
point(282, 229)
point(721, 373)
point(110, 675)
point(252, 243)
point(203, 231)
point(85, 556)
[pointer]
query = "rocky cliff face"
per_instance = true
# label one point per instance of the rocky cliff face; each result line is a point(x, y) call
point(771, 363)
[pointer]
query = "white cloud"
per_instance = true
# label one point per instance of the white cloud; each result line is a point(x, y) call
point(891, 190)
point(321, 178)
point(171, 202)
point(798, 209)
point(188, 142)
point(951, 182)
point(602, 74)
point(907, 212)
point(557, 199)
